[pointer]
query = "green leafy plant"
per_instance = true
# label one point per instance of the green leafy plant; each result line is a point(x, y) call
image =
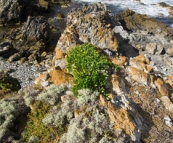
point(89, 68)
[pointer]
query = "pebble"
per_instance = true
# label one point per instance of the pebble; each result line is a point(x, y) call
point(25, 73)
point(168, 122)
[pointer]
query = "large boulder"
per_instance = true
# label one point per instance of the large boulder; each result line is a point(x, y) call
point(35, 29)
point(11, 11)
point(90, 24)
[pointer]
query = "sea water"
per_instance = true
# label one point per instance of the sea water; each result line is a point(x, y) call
point(148, 7)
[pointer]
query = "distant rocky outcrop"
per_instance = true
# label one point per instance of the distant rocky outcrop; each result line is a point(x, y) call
point(134, 21)
point(11, 12)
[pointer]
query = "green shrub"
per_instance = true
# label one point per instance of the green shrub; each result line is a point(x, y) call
point(89, 68)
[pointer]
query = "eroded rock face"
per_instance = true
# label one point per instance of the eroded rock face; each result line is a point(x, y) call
point(35, 29)
point(11, 12)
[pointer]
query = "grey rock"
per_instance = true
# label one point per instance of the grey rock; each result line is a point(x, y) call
point(121, 31)
point(60, 63)
point(11, 12)
point(35, 29)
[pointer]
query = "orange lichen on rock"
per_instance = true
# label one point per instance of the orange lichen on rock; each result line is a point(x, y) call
point(138, 75)
point(162, 87)
point(59, 54)
point(120, 118)
point(119, 61)
point(142, 63)
point(55, 76)
point(59, 77)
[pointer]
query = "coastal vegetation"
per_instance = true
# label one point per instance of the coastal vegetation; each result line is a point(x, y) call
point(89, 67)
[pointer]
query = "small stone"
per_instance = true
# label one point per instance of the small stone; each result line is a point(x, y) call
point(42, 63)
point(45, 83)
point(44, 54)
point(169, 51)
point(151, 48)
point(159, 49)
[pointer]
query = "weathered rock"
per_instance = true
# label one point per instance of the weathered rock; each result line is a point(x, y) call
point(118, 85)
point(35, 29)
point(139, 75)
point(120, 61)
point(121, 31)
point(160, 49)
point(135, 21)
point(88, 25)
point(11, 12)
point(168, 121)
point(142, 63)
point(121, 119)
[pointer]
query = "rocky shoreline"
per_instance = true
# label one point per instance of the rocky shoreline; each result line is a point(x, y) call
point(140, 88)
